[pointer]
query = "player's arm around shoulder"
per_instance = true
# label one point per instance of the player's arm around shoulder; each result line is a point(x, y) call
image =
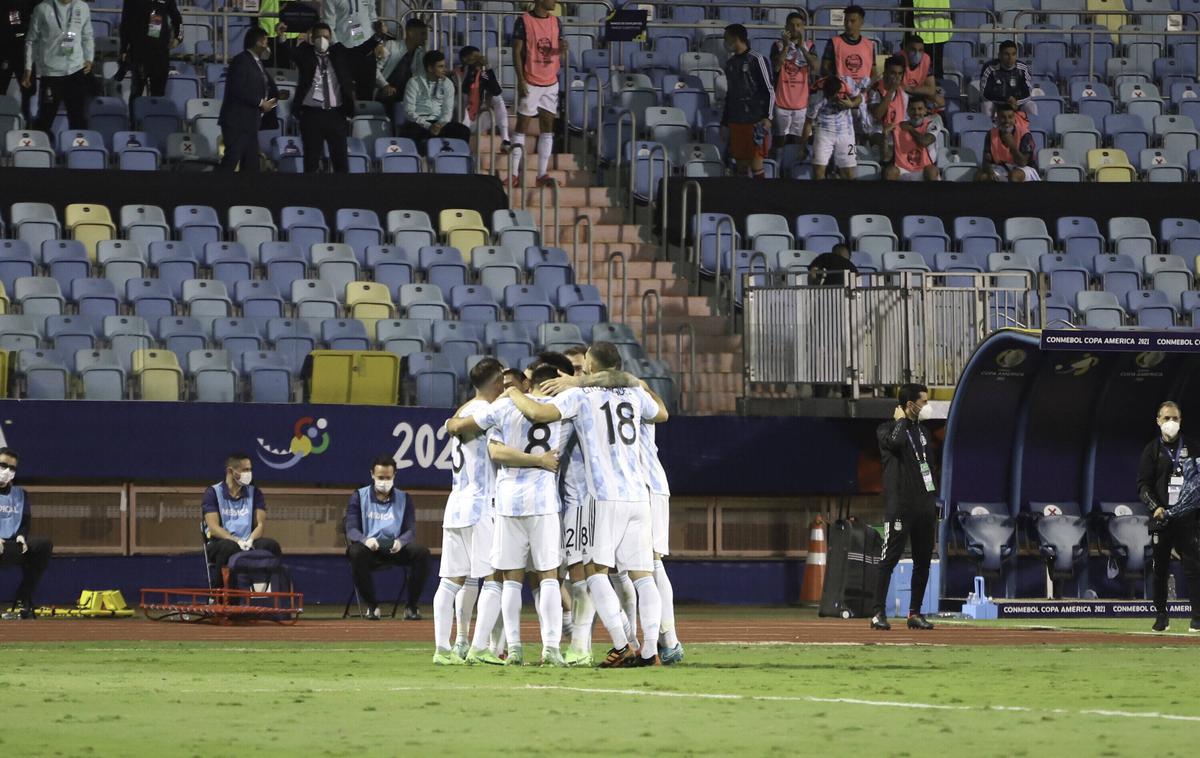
point(662, 415)
point(507, 456)
point(539, 413)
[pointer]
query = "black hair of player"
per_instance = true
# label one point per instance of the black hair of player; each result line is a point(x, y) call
point(484, 372)
point(543, 372)
point(605, 355)
point(558, 361)
point(852, 10)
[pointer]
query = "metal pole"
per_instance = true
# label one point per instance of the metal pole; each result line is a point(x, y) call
point(658, 325)
point(694, 256)
point(586, 222)
point(691, 384)
point(542, 210)
point(612, 258)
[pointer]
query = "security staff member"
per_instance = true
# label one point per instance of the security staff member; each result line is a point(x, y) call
point(61, 46)
point(14, 22)
point(17, 548)
point(381, 524)
point(325, 93)
point(1167, 463)
point(910, 506)
point(149, 30)
point(234, 514)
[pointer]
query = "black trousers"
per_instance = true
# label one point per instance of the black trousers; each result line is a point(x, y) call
point(421, 135)
point(33, 563)
point(149, 69)
point(1182, 536)
point(241, 148)
point(12, 65)
point(363, 560)
point(913, 526)
point(320, 127)
point(220, 551)
point(362, 65)
point(72, 90)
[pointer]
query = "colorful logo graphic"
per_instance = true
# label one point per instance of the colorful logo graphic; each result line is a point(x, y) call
point(304, 443)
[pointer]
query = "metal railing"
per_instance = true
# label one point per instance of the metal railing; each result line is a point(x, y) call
point(581, 221)
point(553, 185)
point(687, 397)
point(879, 329)
point(617, 257)
point(658, 324)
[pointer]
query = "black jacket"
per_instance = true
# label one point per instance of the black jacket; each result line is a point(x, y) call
point(135, 23)
point(9, 33)
point(1154, 472)
point(245, 88)
point(903, 487)
point(305, 58)
point(750, 97)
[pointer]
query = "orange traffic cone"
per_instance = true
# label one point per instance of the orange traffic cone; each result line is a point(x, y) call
point(814, 565)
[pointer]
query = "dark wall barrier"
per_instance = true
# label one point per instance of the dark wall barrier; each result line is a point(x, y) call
point(166, 189)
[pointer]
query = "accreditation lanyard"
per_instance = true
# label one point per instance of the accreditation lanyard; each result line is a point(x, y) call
point(922, 460)
point(1175, 483)
point(67, 43)
point(357, 35)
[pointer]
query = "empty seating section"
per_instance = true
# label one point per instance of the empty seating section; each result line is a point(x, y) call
point(188, 303)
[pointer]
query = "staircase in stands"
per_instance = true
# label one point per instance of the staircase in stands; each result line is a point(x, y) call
point(717, 374)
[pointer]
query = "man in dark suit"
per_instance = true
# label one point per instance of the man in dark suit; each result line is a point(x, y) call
point(325, 96)
point(149, 30)
point(249, 95)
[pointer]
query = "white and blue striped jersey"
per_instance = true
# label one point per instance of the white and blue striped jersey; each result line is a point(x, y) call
point(607, 420)
point(473, 476)
point(572, 477)
point(523, 491)
point(656, 477)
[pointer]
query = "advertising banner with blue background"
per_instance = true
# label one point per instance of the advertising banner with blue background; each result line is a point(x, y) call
point(332, 445)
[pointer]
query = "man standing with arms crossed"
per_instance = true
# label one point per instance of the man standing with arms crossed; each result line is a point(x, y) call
point(538, 49)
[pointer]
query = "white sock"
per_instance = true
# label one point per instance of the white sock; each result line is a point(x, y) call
point(464, 607)
point(628, 596)
point(499, 641)
point(584, 614)
point(443, 613)
point(537, 600)
point(489, 611)
point(517, 153)
point(545, 148)
point(651, 606)
point(630, 631)
point(568, 621)
point(500, 113)
point(666, 627)
point(550, 603)
point(608, 608)
point(510, 609)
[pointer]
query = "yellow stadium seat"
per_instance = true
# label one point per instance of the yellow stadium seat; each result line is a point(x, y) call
point(6, 360)
point(159, 376)
point(90, 224)
point(3, 300)
point(467, 239)
point(1110, 165)
point(372, 297)
point(1112, 23)
point(459, 218)
point(359, 377)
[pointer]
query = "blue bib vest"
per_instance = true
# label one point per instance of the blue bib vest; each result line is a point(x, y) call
point(12, 509)
point(381, 519)
point(237, 516)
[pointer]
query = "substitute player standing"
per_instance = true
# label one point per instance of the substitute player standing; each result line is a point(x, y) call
point(607, 421)
point(538, 47)
point(670, 649)
point(794, 61)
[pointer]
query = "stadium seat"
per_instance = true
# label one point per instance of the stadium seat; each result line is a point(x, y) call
point(158, 375)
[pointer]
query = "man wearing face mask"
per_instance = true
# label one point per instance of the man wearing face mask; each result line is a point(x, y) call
point(381, 524)
point(325, 93)
point(250, 94)
point(1168, 480)
point(17, 548)
point(1009, 150)
point(909, 496)
point(234, 517)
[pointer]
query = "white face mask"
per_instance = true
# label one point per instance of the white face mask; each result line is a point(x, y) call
point(1169, 430)
point(245, 478)
point(926, 413)
point(322, 44)
point(6, 476)
point(384, 486)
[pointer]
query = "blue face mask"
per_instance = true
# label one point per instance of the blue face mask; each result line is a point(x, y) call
point(914, 58)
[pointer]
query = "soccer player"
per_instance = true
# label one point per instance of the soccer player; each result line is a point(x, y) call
point(794, 61)
point(538, 49)
point(607, 420)
point(467, 531)
point(851, 57)
point(482, 92)
point(670, 649)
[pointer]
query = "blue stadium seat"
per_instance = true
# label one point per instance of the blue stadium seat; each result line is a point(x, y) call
point(345, 334)
point(403, 337)
point(510, 341)
point(268, 376)
point(236, 336)
point(528, 303)
point(294, 339)
point(474, 303)
point(175, 262)
point(390, 265)
point(181, 335)
point(304, 226)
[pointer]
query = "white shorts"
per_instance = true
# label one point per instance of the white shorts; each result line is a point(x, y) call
point(466, 550)
point(1001, 172)
point(840, 147)
point(622, 538)
point(522, 542)
point(911, 176)
point(578, 528)
point(660, 523)
point(790, 123)
point(539, 99)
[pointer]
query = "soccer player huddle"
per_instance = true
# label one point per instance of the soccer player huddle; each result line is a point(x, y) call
point(556, 478)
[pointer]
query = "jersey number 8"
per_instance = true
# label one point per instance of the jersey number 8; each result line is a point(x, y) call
point(538, 438)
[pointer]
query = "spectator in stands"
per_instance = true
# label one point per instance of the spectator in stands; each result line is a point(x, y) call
point(918, 72)
point(1009, 150)
point(355, 24)
point(325, 93)
point(250, 95)
point(538, 49)
point(834, 137)
point(396, 64)
point(234, 514)
point(17, 548)
point(515, 378)
point(887, 102)
point(913, 146)
point(1166, 475)
point(59, 43)
point(481, 91)
point(831, 268)
point(851, 57)
point(381, 526)
point(794, 62)
point(149, 31)
point(1007, 81)
point(429, 104)
point(282, 47)
point(749, 103)
point(14, 23)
